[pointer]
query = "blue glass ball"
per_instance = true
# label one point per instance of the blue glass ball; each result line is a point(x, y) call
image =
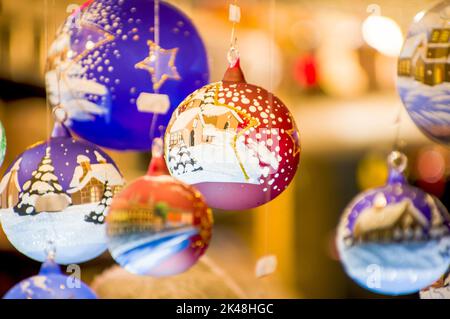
point(50, 283)
point(423, 70)
point(395, 239)
point(117, 85)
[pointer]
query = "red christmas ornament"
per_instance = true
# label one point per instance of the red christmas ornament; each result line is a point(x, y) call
point(235, 142)
point(157, 225)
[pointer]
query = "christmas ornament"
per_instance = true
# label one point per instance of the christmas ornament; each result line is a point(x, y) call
point(50, 283)
point(424, 74)
point(2, 143)
point(395, 239)
point(119, 68)
point(235, 142)
point(157, 225)
point(59, 190)
point(439, 290)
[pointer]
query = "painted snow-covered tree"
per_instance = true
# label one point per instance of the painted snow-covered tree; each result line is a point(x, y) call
point(181, 161)
point(42, 192)
point(97, 216)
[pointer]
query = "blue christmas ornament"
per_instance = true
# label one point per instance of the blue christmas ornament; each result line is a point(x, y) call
point(119, 75)
point(423, 72)
point(50, 283)
point(395, 239)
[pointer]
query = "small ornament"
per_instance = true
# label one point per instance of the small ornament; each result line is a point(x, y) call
point(266, 266)
point(235, 142)
point(157, 225)
point(111, 57)
point(395, 239)
point(423, 72)
point(439, 290)
point(59, 190)
point(50, 283)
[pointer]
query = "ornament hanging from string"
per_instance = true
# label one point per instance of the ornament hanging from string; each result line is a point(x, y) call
point(50, 283)
point(235, 142)
point(395, 239)
point(59, 190)
point(158, 226)
point(124, 66)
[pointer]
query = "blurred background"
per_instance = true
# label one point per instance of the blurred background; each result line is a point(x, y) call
point(331, 66)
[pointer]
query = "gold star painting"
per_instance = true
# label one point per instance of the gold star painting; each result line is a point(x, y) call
point(160, 63)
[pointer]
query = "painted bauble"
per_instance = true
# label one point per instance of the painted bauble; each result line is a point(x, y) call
point(113, 80)
point(157, 225)
point(235, 142)
point(424, 72)
point(50, 283)
point(59, 191)
point(439, 290)
point(2, 143)
point(395, 239)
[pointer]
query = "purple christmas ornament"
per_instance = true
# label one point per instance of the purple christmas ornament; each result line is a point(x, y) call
point(113, 79)
point(59, 191)
point(50, 283)
point(395, 239)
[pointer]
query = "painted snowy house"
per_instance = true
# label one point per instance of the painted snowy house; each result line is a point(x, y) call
point(136, 217)
point(201, 124)
point(9, 187)
point(396, 221)
point(427, 61)
point(88, 181)
point(414, 48)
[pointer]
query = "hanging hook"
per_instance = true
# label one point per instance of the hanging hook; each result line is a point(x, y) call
point(374, 9)
point(59, 114)
point(398, 161)
point(235, 18)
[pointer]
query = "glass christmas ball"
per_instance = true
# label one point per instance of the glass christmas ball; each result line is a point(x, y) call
point(395, 239)
point(158, 226)
point(50, 283)
point(424, 72)
point(59, 191)
point(115, 82)
point(235, 142)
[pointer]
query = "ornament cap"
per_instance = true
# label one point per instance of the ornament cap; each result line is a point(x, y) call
point(397, 162)
point(60, 130)
point(157, 164)
point(49, 267)
point(234, 73)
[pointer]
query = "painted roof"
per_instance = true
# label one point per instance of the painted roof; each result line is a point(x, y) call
point(373, 219)
point(101, 172)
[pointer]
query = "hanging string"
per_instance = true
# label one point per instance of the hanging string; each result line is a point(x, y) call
point(234, 287)
point(46, 43)
point(234, 17)
point(156, 31)
point(398, 142)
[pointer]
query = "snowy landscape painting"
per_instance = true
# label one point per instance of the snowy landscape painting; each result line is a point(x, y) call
point(59, 191)
point(68, 84)
point(392, 245)
point(205, 145)
point(153, 238)
point(424, 73)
